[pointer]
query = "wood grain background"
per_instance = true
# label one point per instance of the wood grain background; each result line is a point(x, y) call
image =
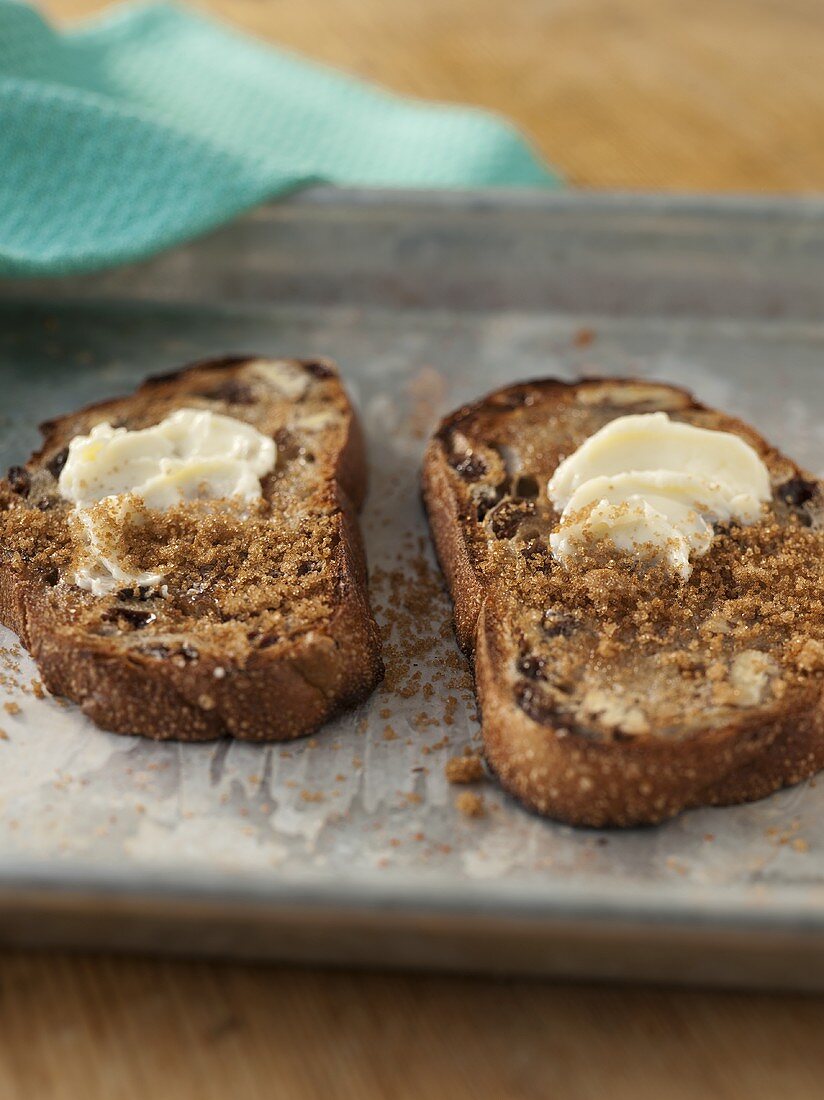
point(710, 95)
point(706, 95)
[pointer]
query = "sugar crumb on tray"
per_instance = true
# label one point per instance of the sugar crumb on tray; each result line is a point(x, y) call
point(470, 804)
point(312, 796)
point(468, 768)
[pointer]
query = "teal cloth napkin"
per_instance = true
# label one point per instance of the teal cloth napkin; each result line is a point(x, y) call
point(141, 129)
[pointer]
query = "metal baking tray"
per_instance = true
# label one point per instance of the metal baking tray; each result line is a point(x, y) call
point(347, 847)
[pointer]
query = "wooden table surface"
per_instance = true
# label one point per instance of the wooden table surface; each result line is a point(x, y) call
point(707, 95)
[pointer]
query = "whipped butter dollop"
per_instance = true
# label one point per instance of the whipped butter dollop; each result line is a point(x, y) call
point(192, 454)
point(648, 484)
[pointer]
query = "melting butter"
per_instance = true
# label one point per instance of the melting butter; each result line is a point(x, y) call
point(193, 454)
point(648, 484)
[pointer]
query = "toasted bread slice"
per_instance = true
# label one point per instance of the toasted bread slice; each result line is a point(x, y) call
point(618, 694)
point(263, 630)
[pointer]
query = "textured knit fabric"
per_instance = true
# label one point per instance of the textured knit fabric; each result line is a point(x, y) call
point(146, 127)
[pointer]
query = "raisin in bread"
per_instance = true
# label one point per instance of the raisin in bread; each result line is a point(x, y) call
point(613, 693)
point(263, 628)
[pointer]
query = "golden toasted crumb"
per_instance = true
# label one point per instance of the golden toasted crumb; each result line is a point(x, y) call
point(11, 708)
point(470, 804)
point(464, 769)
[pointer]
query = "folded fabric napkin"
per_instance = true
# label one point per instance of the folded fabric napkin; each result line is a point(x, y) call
point(150, 125)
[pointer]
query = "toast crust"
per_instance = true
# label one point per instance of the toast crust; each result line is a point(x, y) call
point(275, 693)
point(557, 763)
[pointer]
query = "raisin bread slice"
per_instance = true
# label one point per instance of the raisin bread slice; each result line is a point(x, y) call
point(611, 692)
point(263, 629)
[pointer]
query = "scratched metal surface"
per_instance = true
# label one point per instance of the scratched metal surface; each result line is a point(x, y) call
point(425, 303)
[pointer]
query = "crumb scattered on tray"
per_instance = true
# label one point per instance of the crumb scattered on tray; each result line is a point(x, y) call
point(312, 796)
point(470, 804)
point(464, 769)
point(788, 836)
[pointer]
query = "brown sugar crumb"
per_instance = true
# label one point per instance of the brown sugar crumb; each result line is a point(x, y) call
point(464, 769)
point(449, 710)
point(312, 796)
point(423, 721)
point(416, 627)
point(3, 735)
point(788, 836)
point(385, 712)
point(470, 805)
point(389, 733)
point(436, 746)
point(37, 689)
point(12, 708)
point(411, 688)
